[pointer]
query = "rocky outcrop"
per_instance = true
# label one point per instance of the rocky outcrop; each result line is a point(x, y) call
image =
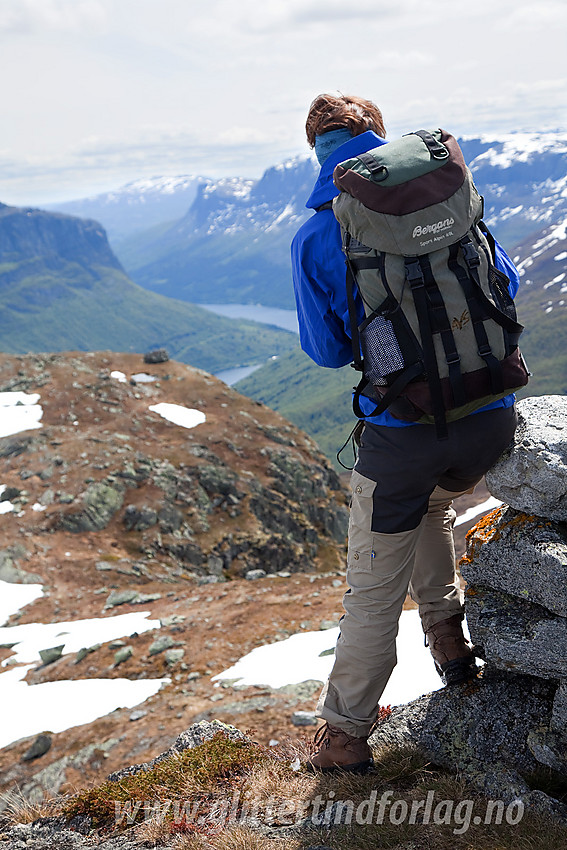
point(532, 475)
point(510, 724)
point(196, 734)
point(100, 502)
point(244, 491)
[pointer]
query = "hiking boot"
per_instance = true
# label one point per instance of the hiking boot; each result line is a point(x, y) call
point(340, 751)
point(453, 656)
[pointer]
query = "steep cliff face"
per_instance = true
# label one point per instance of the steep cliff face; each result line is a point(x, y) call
point(27, 233)
point(62, 288)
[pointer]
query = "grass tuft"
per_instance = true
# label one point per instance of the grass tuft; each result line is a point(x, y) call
point(19, 810)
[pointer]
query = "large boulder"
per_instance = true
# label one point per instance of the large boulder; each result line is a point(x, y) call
point(101, 501)
point(519, 554)
point(531, 475)
point(517, 636)
point(468, 727)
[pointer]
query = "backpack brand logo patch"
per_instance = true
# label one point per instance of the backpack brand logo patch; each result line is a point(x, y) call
point(458, 324)
point(423, 230)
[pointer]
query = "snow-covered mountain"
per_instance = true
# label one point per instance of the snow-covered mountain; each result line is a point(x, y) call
point(229, 239)
point(233, 205)
point(233, 243)
point(523, 177)
point(137, 206)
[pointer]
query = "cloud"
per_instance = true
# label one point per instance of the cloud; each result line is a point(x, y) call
point(292, 15)
point(29, 16)
point(540, 15)
point(103, 163)
point(369, 11)
point(223, 87)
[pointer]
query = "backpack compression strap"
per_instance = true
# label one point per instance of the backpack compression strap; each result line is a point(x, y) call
point(416, 279)
point(440, 323)
point(470, 285)
point(400, 383)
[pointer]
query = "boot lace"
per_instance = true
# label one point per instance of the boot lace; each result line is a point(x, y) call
point(321, 738)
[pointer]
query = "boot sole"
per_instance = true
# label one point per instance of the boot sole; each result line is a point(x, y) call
point(358, 767)
point(457, 671)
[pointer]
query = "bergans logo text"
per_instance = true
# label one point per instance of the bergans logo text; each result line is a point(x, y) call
point(432, 228)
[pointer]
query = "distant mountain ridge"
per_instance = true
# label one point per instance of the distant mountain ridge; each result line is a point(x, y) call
point(524, 179)
point(136, 206)
point(232, 242)
point(232, 245)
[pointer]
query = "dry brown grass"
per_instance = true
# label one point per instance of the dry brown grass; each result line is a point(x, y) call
point(21, 810)
point(155, 830)
point(277, 780)
point(236, 838)
point(246, 794)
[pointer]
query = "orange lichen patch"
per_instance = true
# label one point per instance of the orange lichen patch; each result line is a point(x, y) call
point(481, 533)
point(493, 525)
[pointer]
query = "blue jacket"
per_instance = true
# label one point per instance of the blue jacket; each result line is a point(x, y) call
point(319, 278)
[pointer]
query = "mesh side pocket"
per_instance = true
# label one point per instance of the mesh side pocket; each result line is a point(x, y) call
point(380, 349)
point(498, 283)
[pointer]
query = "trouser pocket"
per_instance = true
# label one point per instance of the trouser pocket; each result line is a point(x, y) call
point(360, 554)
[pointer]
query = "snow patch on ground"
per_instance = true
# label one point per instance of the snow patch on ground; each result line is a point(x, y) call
point(186, 417)
point(29, 638)
point(143, 378)
point(475, 511)
point(139, 377)
point(30, 709)
point(19, 412)
point(298, 658)
point(5, 506)
point(16, 596)
point(57, 706)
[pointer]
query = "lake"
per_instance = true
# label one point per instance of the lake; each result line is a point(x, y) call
point(232, 376)
point(286, 319)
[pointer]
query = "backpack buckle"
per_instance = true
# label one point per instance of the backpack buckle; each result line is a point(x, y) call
point(484, 350)
point(470, 254)
point(414, 273)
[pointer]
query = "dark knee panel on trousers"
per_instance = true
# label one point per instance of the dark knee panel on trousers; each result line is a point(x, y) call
point(406, 464)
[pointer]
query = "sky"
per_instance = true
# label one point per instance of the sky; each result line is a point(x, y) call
point(96, 93)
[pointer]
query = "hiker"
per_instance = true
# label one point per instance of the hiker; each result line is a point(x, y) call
point(400, 535)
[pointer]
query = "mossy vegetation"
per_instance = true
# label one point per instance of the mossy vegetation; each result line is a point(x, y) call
point(199, 773)
point(249, 797)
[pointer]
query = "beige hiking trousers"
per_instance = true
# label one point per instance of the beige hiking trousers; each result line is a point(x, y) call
point(400, 541)
point(381, 569)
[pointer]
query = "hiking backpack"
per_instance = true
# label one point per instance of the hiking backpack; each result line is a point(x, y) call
point(440, 337)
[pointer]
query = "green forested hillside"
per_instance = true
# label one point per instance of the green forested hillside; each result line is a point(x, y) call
point(61, 288)
point(544, 344)
point(76, 309)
